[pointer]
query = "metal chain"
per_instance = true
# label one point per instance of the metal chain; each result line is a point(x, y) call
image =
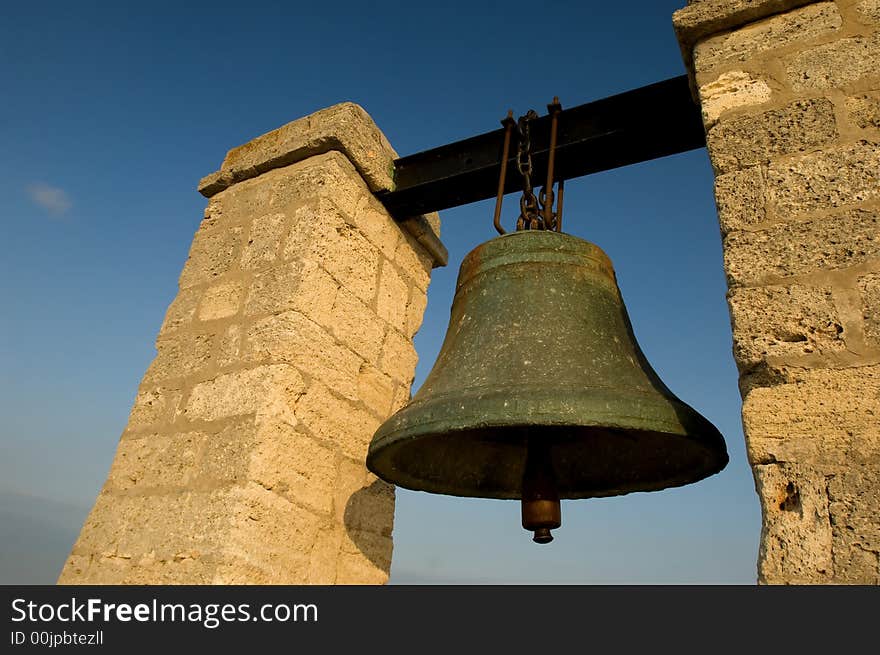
point(529, 217)
point(535, 213)
point(545, 203)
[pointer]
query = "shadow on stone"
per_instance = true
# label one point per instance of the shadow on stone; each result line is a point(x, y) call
point(369, 519)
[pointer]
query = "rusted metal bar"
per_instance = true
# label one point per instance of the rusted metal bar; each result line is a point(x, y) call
point(653, 121)
point(508, 123)
point(554, 108)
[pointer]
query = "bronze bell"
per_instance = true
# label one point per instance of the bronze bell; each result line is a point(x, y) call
point(540, 391)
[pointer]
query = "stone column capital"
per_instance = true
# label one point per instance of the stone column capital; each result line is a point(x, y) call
point(346, 128)
point(702, 18)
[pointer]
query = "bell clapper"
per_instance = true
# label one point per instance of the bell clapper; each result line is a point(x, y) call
point(541, 516)
point(541, 510)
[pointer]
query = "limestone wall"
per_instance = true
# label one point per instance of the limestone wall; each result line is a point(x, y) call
point(790, 92)
point(289, 341)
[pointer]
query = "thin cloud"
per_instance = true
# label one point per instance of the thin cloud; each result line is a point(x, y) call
point(52, 199)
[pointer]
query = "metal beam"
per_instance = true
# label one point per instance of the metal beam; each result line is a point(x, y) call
point(653, 121)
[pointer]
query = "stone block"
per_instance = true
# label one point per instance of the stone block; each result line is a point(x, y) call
point(77, 570)
point(362, 500)
point(796, 539)
point(179, 355)
point(834, 65)
point(316, 294)
point(853, 564)
point(153, 406)
point(325, 552)
point(356, 326)
point(412, 259)
point(281, 288)
point(269, 539)
point(221, 300)
point(740, 199)
point(328, 177)
point(182, 310)
point(703, 18)
point(402, 395)
point(279, 192)
point(796, 26)
point(149, 570)
point(345, 128)
point(214, 250)
point(783, 322)
point(156, 461)
point(293, 339)
point(165, 525)
point(868, 12)
point(226, 456)
point(826, 417)
point(854, 504)
point(355, 569)
point(732, 90)
point(365, 558)
point(749, 140)
point(415, 311)
point(399, 357)
point(836, 242)
point(864, 110)
point(240, 204)
point(294, 466)
point(234, 570)
point(377, 225)
point(264, 241)
point(336, 420)
point(300, 286)
point(836, 177)
point(371, 509)
point(351, 477)
point(869, 288)
point(267, 391)
point(321, 234)
point(391, 302)
point(230, 348)
point(276, 457)
point(854, 510)
point(376, 390)
point(145, 570)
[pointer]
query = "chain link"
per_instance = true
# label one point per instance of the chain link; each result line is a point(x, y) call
point(529, 217)
point(536, 213)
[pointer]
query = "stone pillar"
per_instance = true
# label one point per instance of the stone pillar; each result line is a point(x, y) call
point(790, 94)
point(289, 341)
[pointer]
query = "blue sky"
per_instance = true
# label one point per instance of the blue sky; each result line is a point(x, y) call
point(110, 113)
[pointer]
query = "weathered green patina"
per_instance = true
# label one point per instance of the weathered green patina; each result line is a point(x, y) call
point(540, 355)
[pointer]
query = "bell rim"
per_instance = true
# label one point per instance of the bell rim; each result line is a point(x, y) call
point(376, 459)
point(691, 431)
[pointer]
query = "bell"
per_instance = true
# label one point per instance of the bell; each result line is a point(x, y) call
point(540, 391)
